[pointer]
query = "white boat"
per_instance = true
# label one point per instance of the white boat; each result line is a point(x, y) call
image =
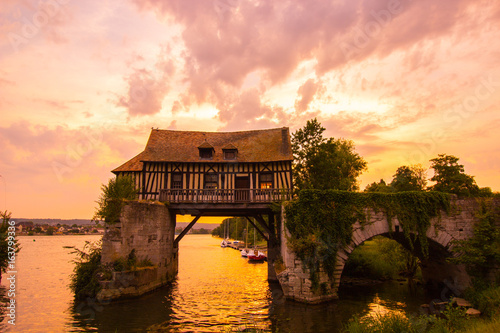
point(244, 253)
point(225, 242)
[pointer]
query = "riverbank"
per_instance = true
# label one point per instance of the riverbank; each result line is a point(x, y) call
point(453, 316)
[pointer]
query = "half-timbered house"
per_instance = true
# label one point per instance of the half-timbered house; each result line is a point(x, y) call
point(221, 167)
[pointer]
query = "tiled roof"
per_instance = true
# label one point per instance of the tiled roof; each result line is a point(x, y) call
point(134, 164)
point(182, 146)
point(206, 145)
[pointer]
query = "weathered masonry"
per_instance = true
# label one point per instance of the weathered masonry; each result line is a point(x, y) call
point(436, 270)
point(186, 166)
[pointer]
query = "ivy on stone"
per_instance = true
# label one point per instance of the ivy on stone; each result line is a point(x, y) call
point(320, 222)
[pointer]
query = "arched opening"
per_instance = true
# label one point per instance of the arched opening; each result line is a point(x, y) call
point(381, 258)
point(391, 274)
point(392, 256)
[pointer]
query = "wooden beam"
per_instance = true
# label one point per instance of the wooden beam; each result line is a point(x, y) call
point(186, 230)
point(258, 230)
point(262, 222)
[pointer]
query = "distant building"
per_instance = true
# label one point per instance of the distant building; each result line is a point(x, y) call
point(187, 166)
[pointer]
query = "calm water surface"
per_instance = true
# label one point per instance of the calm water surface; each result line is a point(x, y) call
point(216, 290)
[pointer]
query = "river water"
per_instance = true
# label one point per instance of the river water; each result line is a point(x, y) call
point(216, 291)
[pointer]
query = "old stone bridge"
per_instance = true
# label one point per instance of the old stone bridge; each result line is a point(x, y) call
point(148, 228)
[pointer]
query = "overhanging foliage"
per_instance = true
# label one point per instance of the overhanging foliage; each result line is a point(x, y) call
point(321, 221)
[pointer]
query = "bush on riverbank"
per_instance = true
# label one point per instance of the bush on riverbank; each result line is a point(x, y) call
point(85, 279)
point(89, 270)
point(399, 323)
point(454, 319)
point(485, 299)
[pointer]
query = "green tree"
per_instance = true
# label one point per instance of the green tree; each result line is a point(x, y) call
point(380, 187)
point(334, 165)
point(409, 178)
point(111, 200)
point(321, 163)
point(303, 141)
point(50, 231)
point(450, 177)
point(7, 240)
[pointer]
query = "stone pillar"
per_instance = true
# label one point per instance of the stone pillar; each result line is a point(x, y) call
point(295, 279)
point(148, 229)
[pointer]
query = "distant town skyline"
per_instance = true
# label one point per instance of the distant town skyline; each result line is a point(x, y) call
point(83, 82)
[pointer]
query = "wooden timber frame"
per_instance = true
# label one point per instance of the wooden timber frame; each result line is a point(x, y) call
point(185, 166)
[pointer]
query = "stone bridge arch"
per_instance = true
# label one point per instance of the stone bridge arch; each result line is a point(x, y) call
point(295, 278)
point(436, 270)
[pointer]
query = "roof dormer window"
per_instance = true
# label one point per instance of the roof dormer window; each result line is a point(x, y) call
point(206, 151)
point(230, 152)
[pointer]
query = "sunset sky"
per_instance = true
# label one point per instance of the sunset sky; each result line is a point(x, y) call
point(83, 82)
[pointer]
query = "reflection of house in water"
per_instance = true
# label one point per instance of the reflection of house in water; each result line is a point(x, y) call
point(220, 167)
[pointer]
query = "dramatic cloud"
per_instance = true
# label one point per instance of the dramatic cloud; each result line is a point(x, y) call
point(82, 83)
point(228, 40)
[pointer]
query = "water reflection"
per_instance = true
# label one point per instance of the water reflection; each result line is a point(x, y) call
point(127, 316)
point(216, 290)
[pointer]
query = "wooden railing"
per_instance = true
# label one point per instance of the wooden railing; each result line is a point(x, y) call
point(224, 195)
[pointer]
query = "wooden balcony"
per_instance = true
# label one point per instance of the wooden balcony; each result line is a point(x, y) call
point(225, 196)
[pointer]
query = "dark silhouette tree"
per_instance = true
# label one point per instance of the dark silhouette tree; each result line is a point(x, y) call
point(380, 187)
point(450, 177)
point(8, 243)
point(409, 178)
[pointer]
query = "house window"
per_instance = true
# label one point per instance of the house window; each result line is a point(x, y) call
point(230, 154)
point(211, 180)
point(176, 180)
point(206, 153)
point(266, 180)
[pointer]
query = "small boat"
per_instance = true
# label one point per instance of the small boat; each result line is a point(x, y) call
point(244, 253)
point(225, 242)
point(259, 257)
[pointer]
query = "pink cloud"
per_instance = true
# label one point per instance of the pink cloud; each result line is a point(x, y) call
point(146, 90)
point(248, 112)
point(306, 93)
point(227, 40)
